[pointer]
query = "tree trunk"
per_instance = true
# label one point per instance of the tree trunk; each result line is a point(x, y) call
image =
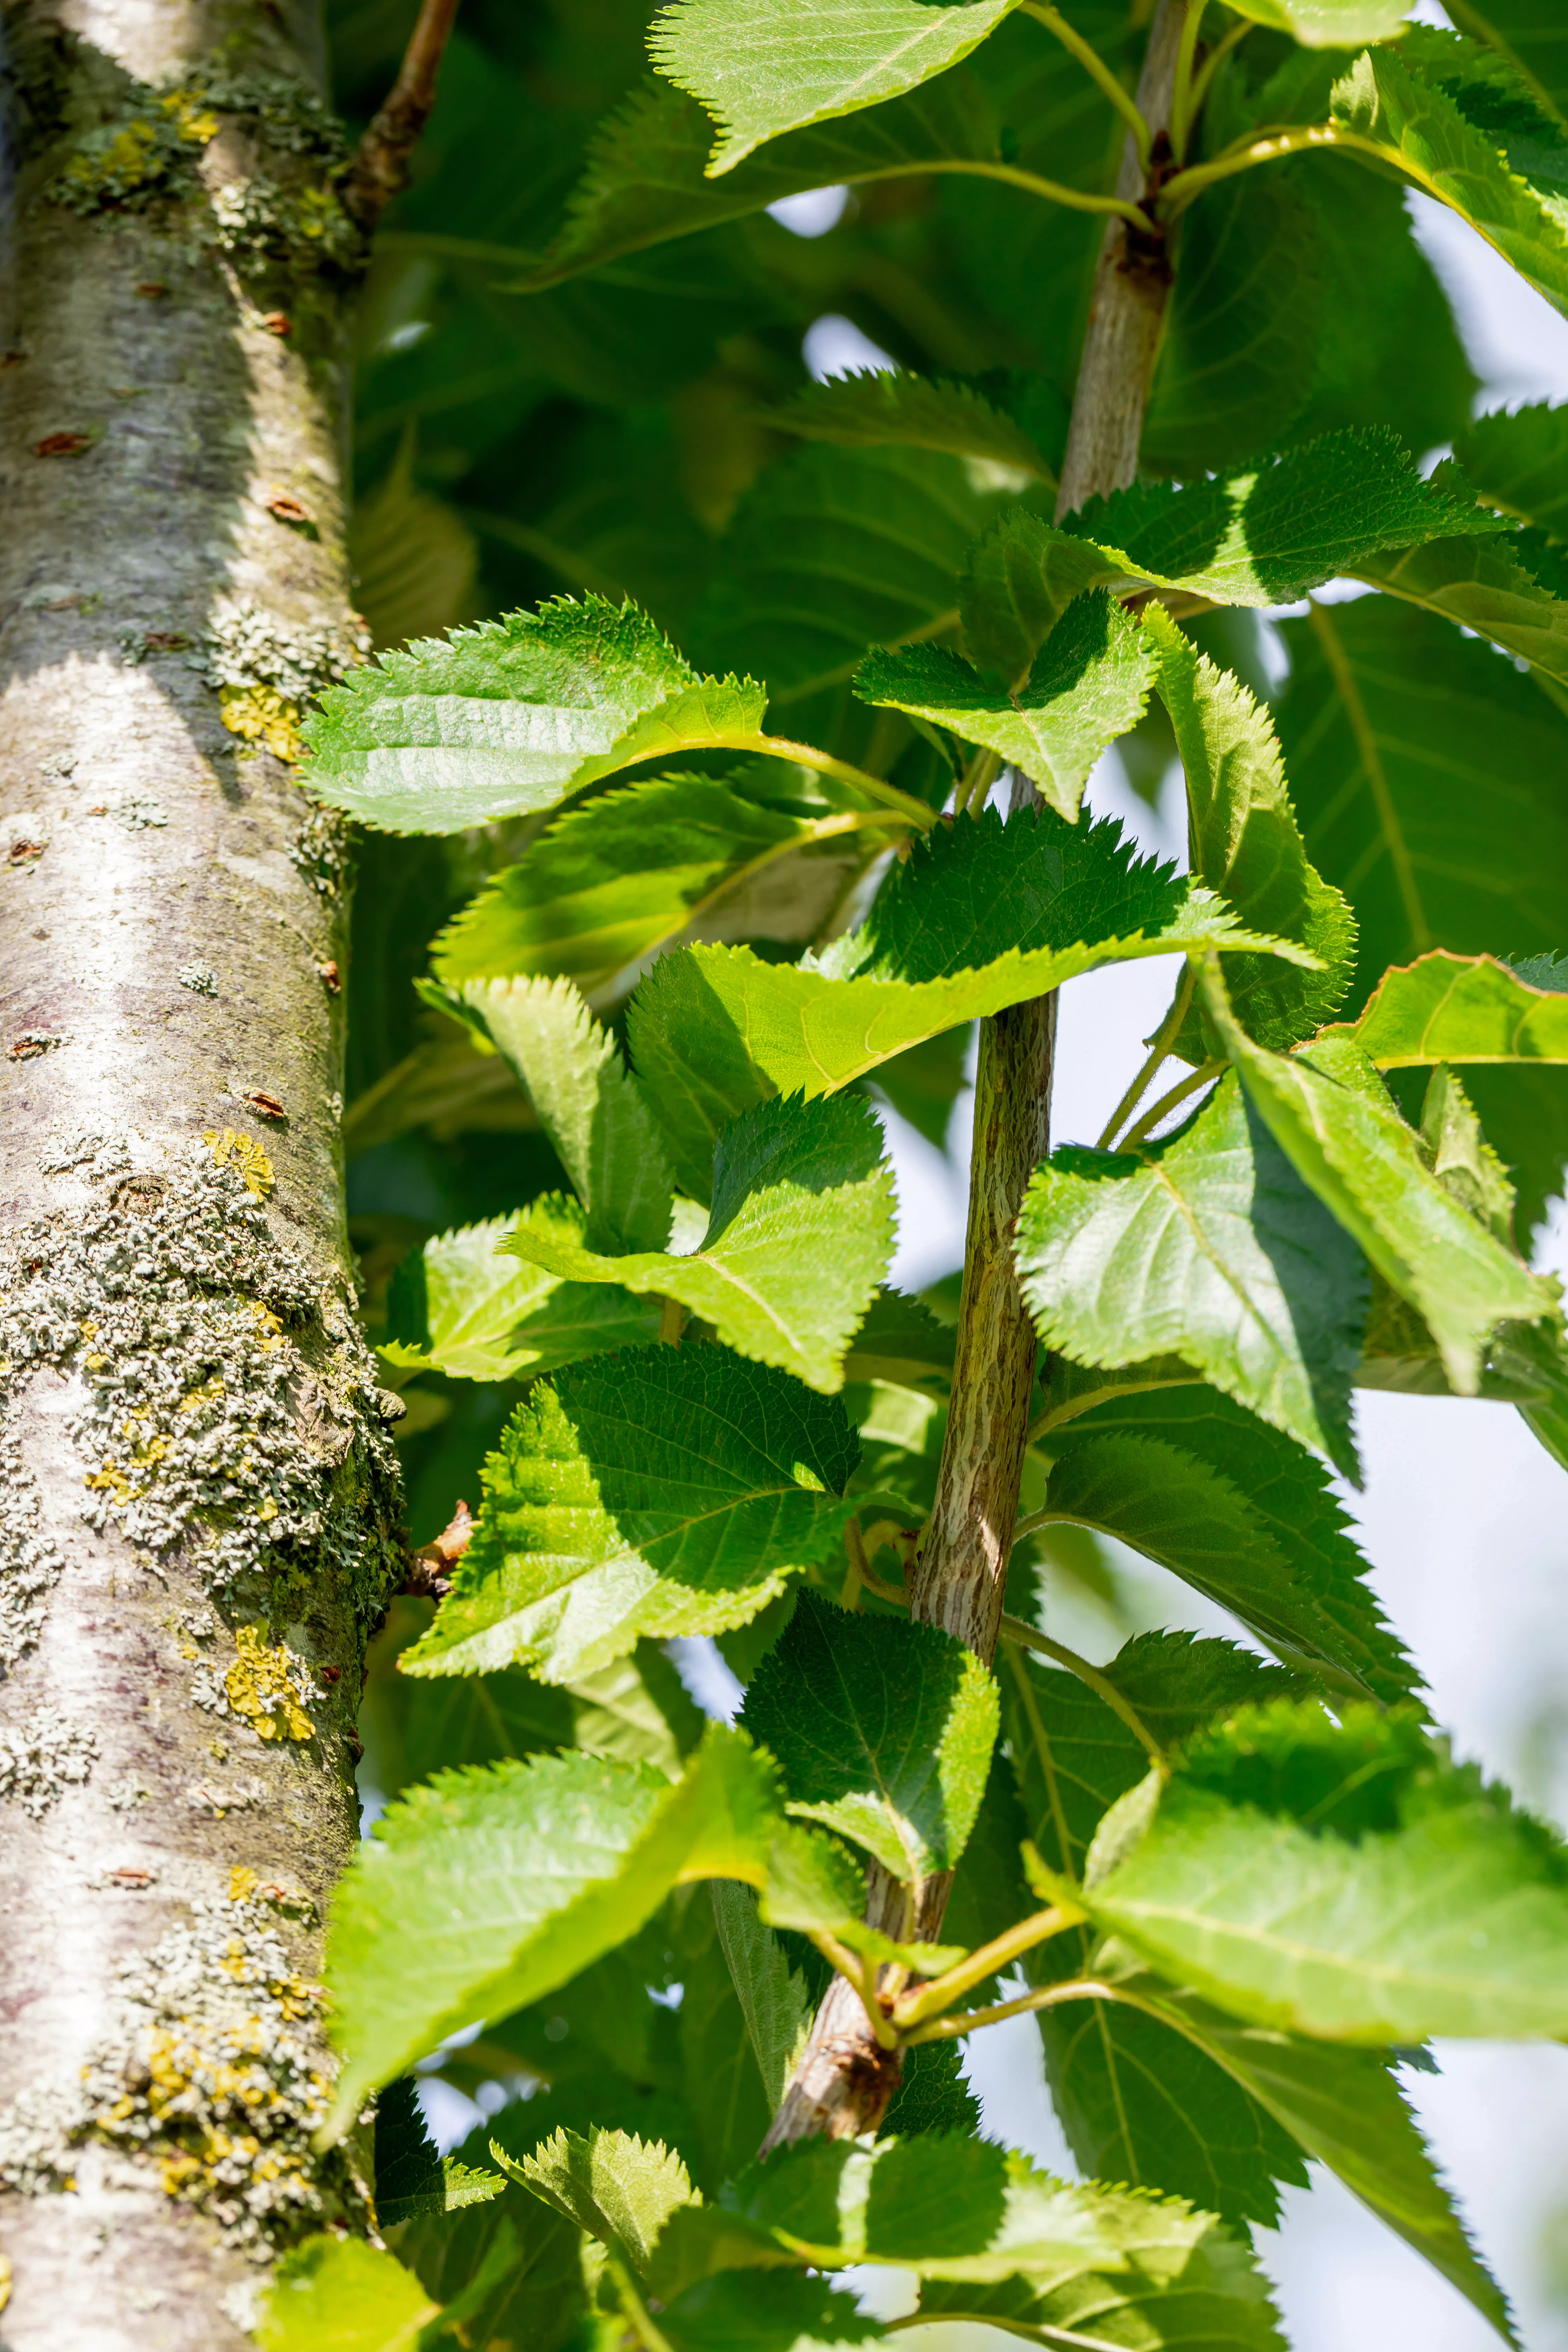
point(845, 2082)
point(198, 1489)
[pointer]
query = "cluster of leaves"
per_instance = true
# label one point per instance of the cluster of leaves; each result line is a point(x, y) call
point(706, 866)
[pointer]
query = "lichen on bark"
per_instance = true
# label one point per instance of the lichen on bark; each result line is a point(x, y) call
point(198, 1498)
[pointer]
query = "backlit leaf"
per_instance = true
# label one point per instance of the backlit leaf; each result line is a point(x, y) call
point(1449, 1008)
point(459, 1306)
point(338, 2294)
point(875, 410)
point(763, 66)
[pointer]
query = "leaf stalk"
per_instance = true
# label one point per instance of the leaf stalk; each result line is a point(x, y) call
point(1090, 60)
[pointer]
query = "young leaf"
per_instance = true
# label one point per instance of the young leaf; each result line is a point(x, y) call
point(773, 1996)
point(592, 1110)
point(1088, 684)
point(1298, 1579)
point(458, 1306)
point(1262, 537)
point(1209, 1246)
point(882, 1729)
point(981, 916)
point(1449, 1008)
point(1344, 1880)
point(611, 2185)
point(1331, 1114)
point(644, 178)
point(1245, 843)
point(670, 1491)
point(609, 881)
point(1344, 2107)
point(763, 66)
point(513, 716)
point(1411, 119)
point(338, 2294)
point(483, 1890)
point(799, 1239)
point(875, 410)
point(411, 2179)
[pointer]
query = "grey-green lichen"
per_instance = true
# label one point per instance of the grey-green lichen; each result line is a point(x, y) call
point(227, 1409)
point(322, 851)
point(40, 1756)
point(30, 1560)
point(213, 2071)
point(149, 150)
point(265, 671)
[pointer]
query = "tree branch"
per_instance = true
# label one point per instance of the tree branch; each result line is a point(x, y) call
point(380, 167)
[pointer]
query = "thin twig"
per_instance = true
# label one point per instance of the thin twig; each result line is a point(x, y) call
point(1159, 1047)
point(1182, 95)
point(1169, 1102)
point(380, 168)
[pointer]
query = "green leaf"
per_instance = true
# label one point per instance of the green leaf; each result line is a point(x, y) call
point(901, 1341)
point(718, 2071)
point(607, 882)
point(834, 551)
point(672, 1490)
point(981, 916)
point(801, 1233)
point(513, 716)
point(590, 1107)
point(338, 2294)
point(1243, 332)
point(763, 66)
point(1088, 684)
point(797, 2315)
point(1246, 845)
point(1262, 537)
point(1344, 1880)
point(458, 1306)
point(1396, 734)
point(1328, 24)
point(610, 2184)
point(1015, 2244)
point(509, 2271)
point(1531, 35)
point(1330, 1113)
point(883, 1730)
point(1311, 1597)
point(876, 410)
point(482, 1890)
point(1449, 1008)
point(643, 180)
point(1209, 1246)
point(411, 2179)
point(1415, 124)
point(1519, 461)
point(773, 1996)
point(1484, 585)
point(1344, 2107)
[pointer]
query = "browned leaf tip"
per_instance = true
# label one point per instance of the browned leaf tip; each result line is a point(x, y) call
point(61, 444)
point(128, 1875)
point(427, 1578)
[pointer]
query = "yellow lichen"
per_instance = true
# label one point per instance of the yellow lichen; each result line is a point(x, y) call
point(193, 121)
point(269, 1325)
point(242, 1883)
point(245, 1156)
point(5, 2279)
point(265, 1687)
point(111, 1480)
point(258, 714)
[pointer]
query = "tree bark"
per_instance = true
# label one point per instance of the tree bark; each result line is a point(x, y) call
point(197, 1491)
point(844, 2081)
